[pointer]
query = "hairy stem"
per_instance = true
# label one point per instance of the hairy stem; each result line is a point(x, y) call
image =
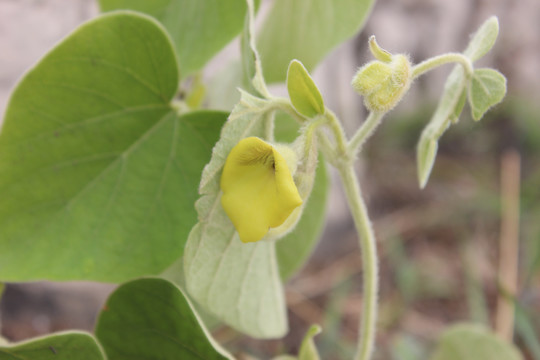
point(365, 131)
point(437, 61)
point(368, 248)
point(339, 135)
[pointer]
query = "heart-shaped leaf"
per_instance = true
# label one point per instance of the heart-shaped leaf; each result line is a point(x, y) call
point(98, 173)
point(152, 319)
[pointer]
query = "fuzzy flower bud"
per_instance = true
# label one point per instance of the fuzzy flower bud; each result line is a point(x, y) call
point(384, 81)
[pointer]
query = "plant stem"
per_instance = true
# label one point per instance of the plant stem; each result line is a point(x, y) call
point(339, 135)
point(365, 131)
point(437, 61)
point(342, 157)
point(278, 103)
point(368, 247)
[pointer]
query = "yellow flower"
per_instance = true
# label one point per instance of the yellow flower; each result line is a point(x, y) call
point(258, 189)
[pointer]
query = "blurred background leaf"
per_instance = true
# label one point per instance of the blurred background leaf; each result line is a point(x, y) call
point(199, 29)
point(306, 30)
point(473, 342)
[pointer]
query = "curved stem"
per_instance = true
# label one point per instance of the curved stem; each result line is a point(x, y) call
point(368, 248)
point(339, 135)
point(343, 160)
point(284, 105)
point(437, 61)
point(365, 131)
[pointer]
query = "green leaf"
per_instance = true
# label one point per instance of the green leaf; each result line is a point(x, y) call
point(447, 112)
point(251, 61)
point(62, 346)
point(98, 173)
point(294, 249)
point(238, 283)
point(452, 101)
point(425, 158)
point(473, 342)
point(218, 92)
point(146, 303)
point(308, 351)
point(303, 92)
point(307, 30)
point(487, 88)
point(484, 39)
point(199, 28)
point(406, 347)
point(152, 319)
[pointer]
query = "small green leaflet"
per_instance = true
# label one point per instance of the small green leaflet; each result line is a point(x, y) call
point(425, 158)
point(473, 342)
point(488, 88)
point(484, 91)
point(199, 29)
point(152, 319)
point(306, 30)
point(303, 92)
point(308, 350)
point(238, 283)
point(98, 173)
point(483, 40)
point(446, 112)
point(72, 345)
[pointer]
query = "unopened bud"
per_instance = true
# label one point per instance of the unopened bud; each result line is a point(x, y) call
point(383, 82)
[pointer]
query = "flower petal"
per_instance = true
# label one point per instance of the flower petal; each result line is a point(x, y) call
point(258, 189)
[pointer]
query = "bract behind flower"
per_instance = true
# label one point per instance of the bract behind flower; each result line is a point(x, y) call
point(259, 192)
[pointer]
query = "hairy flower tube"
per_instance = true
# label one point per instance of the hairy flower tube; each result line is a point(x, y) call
point(259, 192)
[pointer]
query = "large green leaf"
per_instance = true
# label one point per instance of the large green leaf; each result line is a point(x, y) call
point(473, 342)
point(98, 174)
point(199, 28)
point(62, 346)
point(238, 283)
point(152, 319)
point(307, 30)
